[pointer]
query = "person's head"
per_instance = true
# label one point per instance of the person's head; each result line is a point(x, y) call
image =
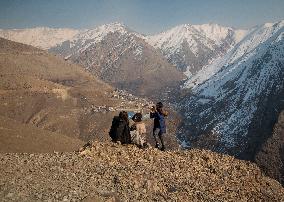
point(123, 115)
point(137, 117)
point(159, 106)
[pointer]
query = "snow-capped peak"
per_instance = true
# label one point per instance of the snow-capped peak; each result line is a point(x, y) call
point(214, 32)
point(247, 46)
point(190, 47)
point(171, 41)
point(208, 34)
point(97, 34)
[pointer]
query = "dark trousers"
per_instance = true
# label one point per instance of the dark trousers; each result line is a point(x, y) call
point(158, 135)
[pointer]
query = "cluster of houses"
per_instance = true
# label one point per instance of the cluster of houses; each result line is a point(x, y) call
point(129, 102)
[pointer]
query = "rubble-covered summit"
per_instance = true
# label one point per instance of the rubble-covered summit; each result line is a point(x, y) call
point(113, 172)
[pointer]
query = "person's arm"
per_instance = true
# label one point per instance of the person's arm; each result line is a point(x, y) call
point(165, 113)
point(153, 112)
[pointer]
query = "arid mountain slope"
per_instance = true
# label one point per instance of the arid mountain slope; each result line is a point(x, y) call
point(43, 90)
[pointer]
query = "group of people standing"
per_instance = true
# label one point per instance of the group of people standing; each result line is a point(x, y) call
point(136, 133)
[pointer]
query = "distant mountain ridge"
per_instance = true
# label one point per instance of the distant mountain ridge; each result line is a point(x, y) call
point(188, 47)
point(40, 37)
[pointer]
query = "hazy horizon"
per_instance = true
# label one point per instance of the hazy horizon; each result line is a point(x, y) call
point(147, 17)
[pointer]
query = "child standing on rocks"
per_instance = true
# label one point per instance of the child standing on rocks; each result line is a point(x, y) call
point(138, 135)
point(159, 129)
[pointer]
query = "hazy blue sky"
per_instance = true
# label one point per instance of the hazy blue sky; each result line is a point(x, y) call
point(146, 16)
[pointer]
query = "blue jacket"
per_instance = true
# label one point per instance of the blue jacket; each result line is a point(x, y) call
point(159, 121)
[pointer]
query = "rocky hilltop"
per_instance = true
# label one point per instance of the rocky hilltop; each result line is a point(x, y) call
point(112, 172)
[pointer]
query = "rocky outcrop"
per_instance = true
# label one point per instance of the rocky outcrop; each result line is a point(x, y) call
point(113, 172)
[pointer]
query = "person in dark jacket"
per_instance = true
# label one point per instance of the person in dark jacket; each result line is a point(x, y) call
point(158, 114)
point(120, 130)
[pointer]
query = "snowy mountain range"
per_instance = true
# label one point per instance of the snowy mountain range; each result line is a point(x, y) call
point(190, 47)
point(122, 58)
point(187, 47)
point(40, 37)
point(240, 98)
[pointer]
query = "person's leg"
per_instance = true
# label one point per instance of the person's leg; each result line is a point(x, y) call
point(162, 141)
point(156, 132)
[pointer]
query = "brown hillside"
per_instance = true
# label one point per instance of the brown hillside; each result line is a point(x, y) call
point(43, 90)
point(18, 137)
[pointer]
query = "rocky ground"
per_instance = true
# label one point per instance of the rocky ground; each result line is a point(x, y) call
point(111, 172)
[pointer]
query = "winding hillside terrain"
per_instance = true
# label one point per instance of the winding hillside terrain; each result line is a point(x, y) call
point(239, 104)
point(42, 90)
point(111, 172)
point(121, 58)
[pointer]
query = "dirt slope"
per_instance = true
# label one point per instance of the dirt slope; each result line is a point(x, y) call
point(18, 137)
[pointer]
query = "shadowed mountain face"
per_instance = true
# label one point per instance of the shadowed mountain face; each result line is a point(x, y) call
point(270, 158)
point(234, 110)
point(121, 58)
